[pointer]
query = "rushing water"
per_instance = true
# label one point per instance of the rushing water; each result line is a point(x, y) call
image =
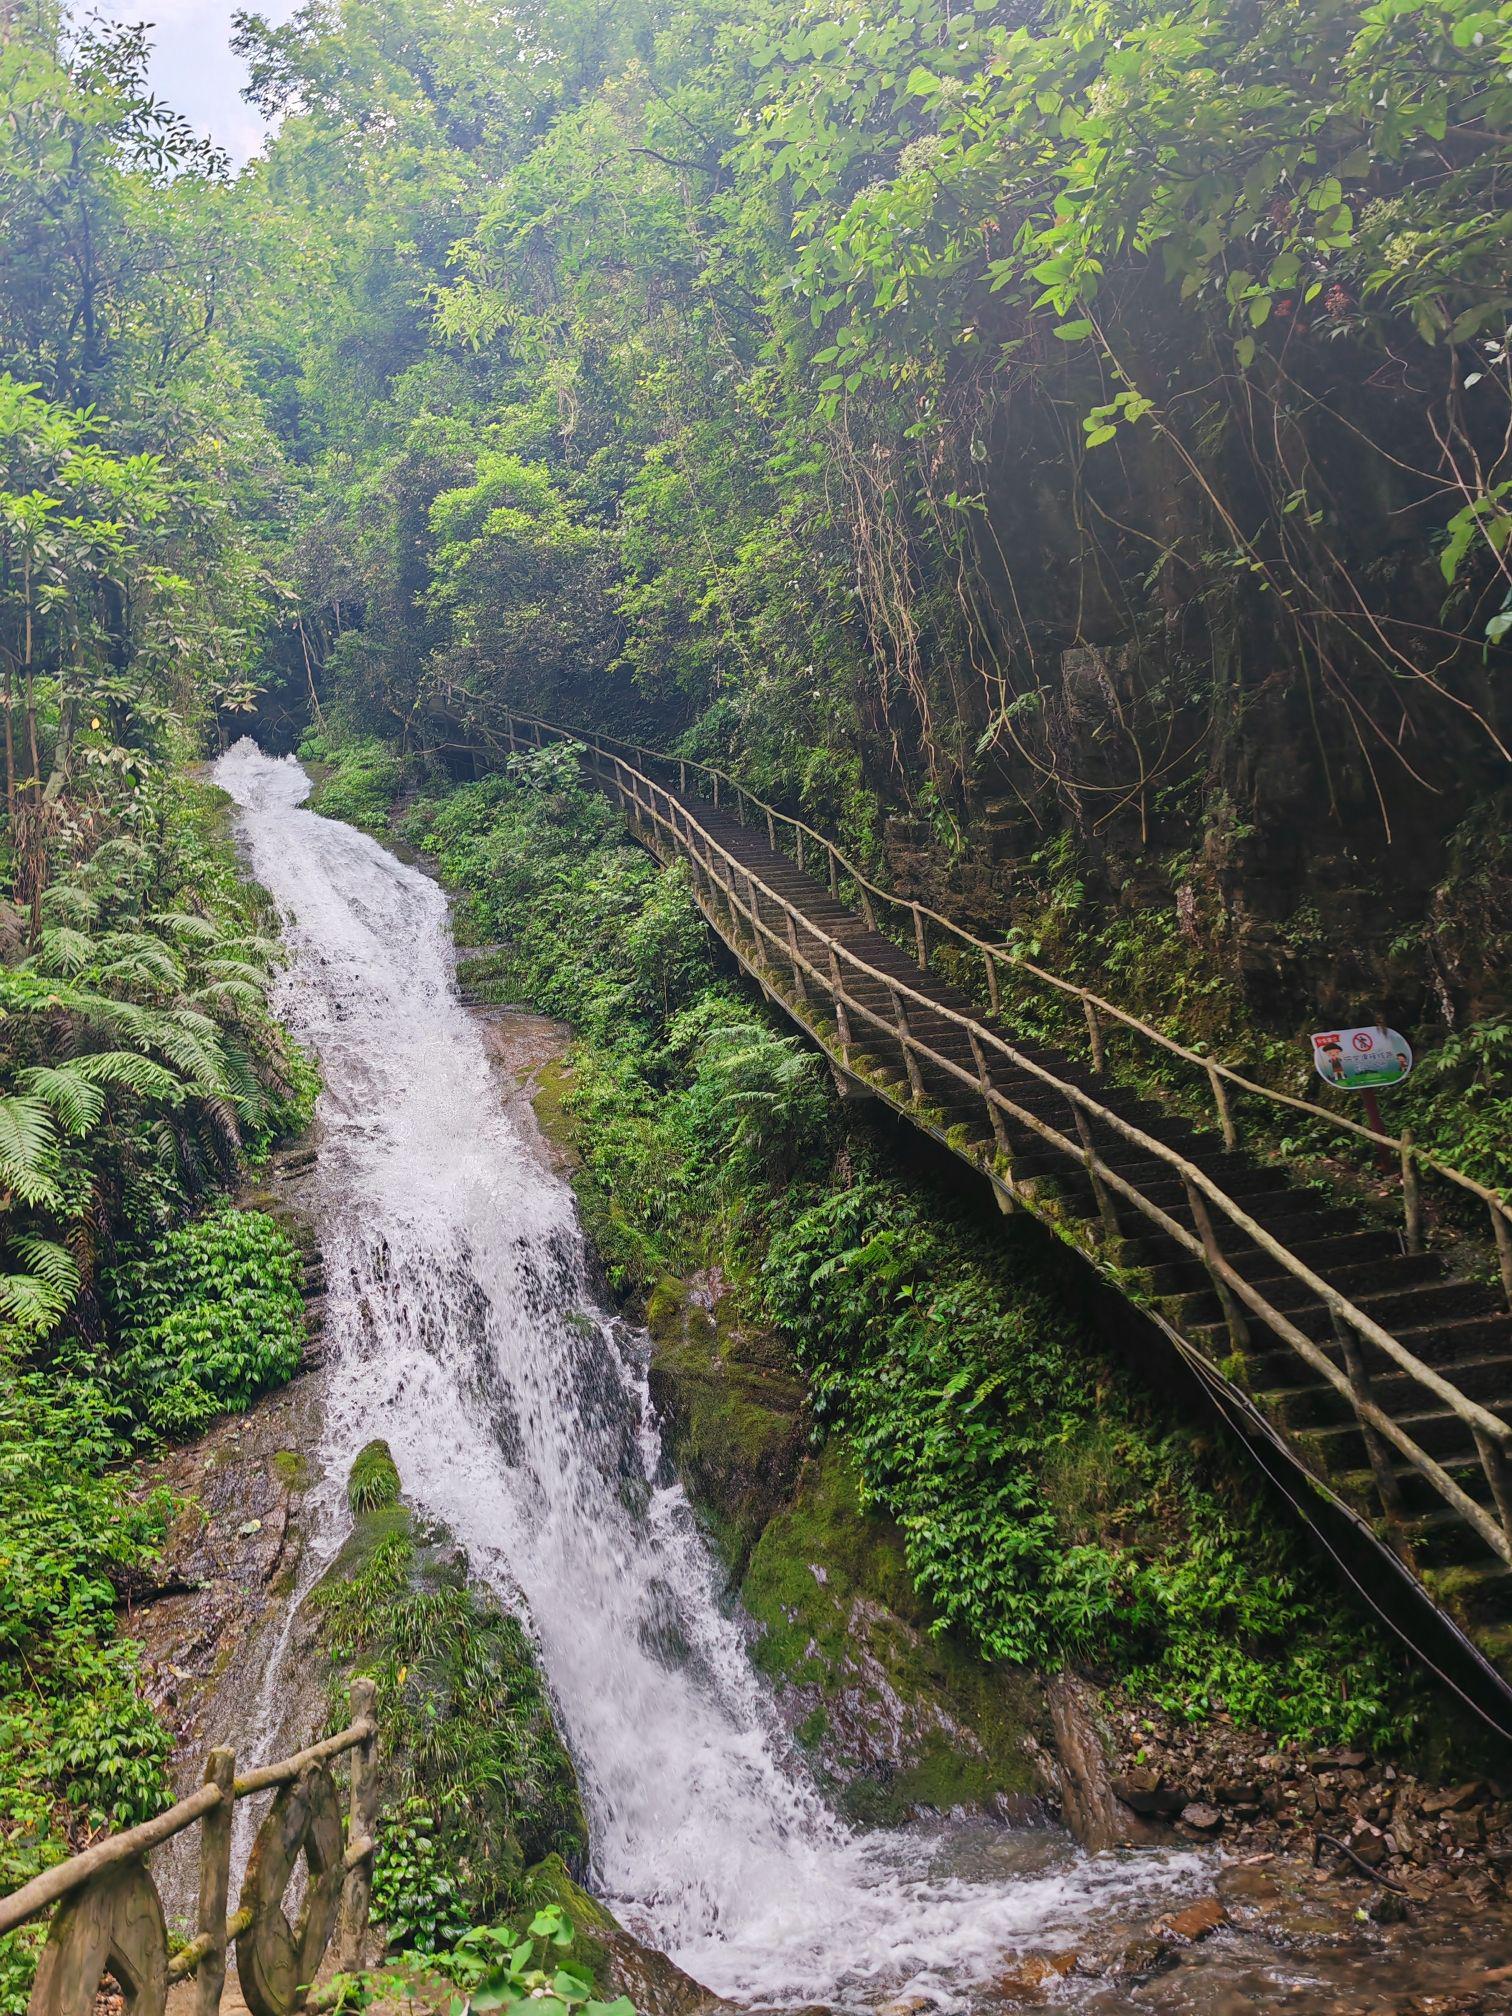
point(463, 1330)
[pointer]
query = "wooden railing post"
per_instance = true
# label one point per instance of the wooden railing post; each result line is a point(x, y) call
point(921, 943)
point(842, 1013)
point(215, 1883)
point(1494, 1462)
point(910, 1062)
point(994, 995)
point(771, 831)
point(867, 911)
point(1388, 1489)
point(1220, 1100)
point(1107, 1214)
point(1503, 1235)
point(1412, 1201)
point(834, 873)
point(798, 837)
point(682, 776)
point(362, 1818)
point(1094, 1034)
point(800, 979)
point(984, 1079)
point(1233, 1315)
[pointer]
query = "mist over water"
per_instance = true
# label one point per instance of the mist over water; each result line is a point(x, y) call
point(462, 1329)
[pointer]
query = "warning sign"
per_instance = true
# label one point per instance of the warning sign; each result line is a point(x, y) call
point(1360, 1059)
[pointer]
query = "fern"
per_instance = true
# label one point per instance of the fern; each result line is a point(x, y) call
point(65, 949)
point(30, 1303)
point(74, 1099)
point(51, 1264)
point(29, 1151)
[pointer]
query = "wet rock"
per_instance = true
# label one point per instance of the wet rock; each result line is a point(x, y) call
point(1140, 1958)
point(1036, 1972)
point(1368, 1845)
point(1202, 1818)
point(1081, 1778)
point(1193, 1922)
point(619, 1963)
point(1146, 1792)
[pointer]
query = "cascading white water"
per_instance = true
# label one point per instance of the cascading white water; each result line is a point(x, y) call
point(462, 1329)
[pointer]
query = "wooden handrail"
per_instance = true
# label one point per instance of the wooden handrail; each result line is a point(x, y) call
point(1218, 1074)
point(85, 1881)
point(638, 789)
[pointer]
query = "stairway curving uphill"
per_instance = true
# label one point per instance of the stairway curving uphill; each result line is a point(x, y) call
point(1384, 1378)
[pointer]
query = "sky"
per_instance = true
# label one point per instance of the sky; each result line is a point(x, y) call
point(192, 65)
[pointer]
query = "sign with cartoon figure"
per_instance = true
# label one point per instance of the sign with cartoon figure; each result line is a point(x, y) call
point(1360, 1059)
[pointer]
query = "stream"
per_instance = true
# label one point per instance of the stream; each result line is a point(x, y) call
point(463, 1329)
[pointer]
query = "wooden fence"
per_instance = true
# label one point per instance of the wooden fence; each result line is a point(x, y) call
point(109, 1919)
point(820, 980)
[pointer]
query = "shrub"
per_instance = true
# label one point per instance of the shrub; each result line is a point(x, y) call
point(362, 786)
point(208, 1318)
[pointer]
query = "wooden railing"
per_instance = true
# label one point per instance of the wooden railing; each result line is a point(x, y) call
point(927, 929)
point(110, 1920)
point(822, 993)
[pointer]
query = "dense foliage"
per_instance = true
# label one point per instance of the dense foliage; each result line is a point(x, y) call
point(140, 1068)
point(1079, 428)
point(1049, 1510)
point(542, 1966)
point(206, 1320)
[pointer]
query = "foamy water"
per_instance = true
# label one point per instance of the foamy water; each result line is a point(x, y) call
point(461, 1327)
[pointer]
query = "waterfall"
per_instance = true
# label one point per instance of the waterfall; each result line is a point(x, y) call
point(462, 1328)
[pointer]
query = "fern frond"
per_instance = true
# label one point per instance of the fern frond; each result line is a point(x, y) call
point(141, 1074)
point(76, 1102)
point(64, 950)
point(184, 925)
point(67, 903)
point(29, 1150)
point(51, 1263)
point(29, 1302)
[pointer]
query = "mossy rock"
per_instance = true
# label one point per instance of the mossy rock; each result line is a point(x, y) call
point(551, 1882)
point(465, 1723)
point(617, 1961)
point(292, 1469)
point(733, 1410)
point(373, 1481)
point(895, 1718)
point(549, 1097)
